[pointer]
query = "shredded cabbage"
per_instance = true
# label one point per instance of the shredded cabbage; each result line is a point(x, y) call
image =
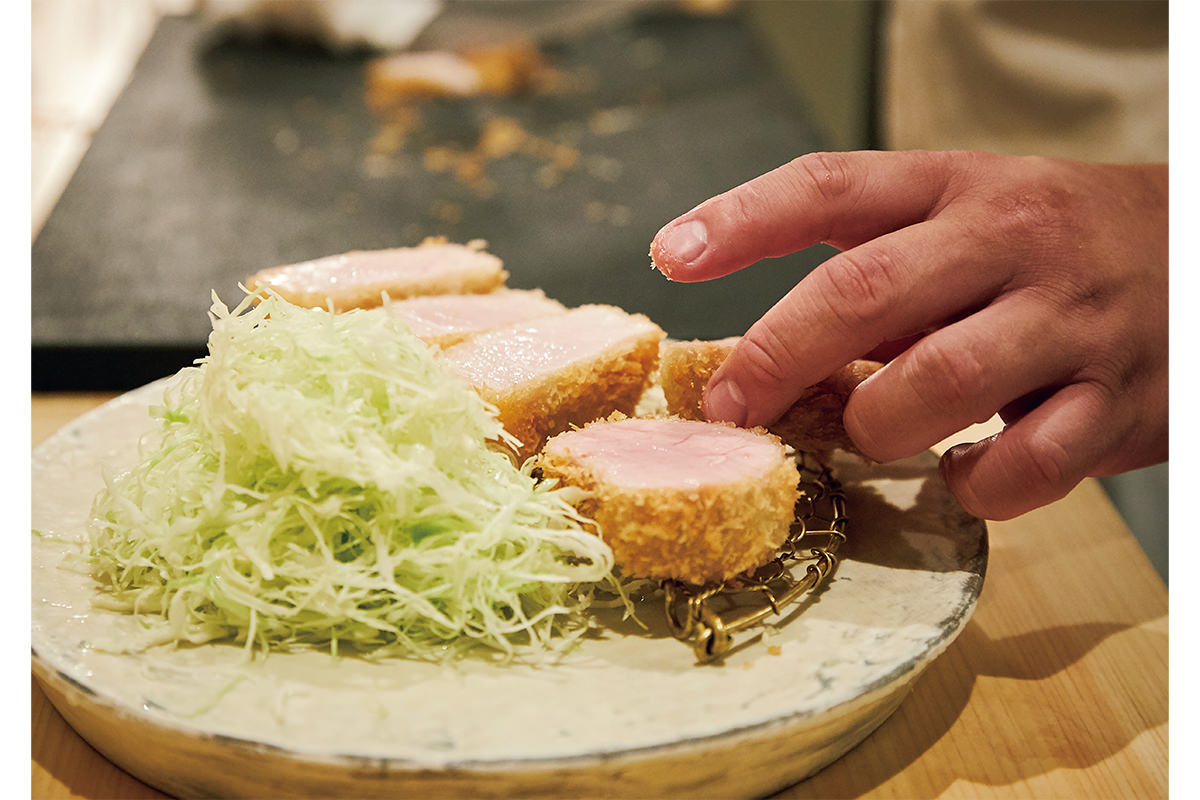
point(320, 479)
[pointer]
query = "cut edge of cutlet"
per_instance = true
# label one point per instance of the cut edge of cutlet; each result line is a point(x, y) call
point(486, 275)
point(700, 535)
point(451, 336)
point(579, 393)
point(614, 379)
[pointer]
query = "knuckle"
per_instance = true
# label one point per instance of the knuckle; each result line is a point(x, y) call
point(1029, 214)
point(765, 357)
point(1048, 465)
point(825, 181)
point(1037, 212)
point(827, 173)
point(945, 380)
point(1109, 371)
point(1066, 302)
point(1069, 295)
point(743, 207)
point(862, 285)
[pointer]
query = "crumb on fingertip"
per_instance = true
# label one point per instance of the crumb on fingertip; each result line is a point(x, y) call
point(654, 262)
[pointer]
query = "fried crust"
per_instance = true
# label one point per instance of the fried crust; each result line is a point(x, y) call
point(700, 535)
point(579, 394)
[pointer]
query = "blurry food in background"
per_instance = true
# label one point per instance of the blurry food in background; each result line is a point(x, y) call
point(398, 85)
point(423, 54)
point(361, 278)
point(497, 137)
point(340, 25)
point(498, 70)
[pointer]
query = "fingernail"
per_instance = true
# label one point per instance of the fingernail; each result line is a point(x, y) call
point(724, 402)
point(685, 242)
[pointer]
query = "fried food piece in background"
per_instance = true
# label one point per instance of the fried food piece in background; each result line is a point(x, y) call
point(360, 278)
point(501, 70)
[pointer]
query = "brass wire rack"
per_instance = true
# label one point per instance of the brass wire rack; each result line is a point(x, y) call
point(707, 617)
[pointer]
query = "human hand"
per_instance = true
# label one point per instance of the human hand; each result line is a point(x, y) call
point(1028, 287)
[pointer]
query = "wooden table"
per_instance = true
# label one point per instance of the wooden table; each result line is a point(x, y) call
point(1056, 688)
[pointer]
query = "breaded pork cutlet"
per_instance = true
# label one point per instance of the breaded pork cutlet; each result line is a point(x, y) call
point(445, 320)
point(813, 423)
point(360, 278)
point(679, 499)
point(547, 375)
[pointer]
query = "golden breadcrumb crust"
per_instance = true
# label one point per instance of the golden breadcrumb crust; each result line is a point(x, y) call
point(813, 423)
point(699, 535)
point(579, 393)
point(683, 370)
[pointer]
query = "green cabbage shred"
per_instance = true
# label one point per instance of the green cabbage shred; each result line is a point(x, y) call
point(321, 480)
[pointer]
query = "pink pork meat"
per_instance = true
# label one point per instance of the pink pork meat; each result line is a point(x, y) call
point(446, 320)
point(694, 501)
point(360, 278)
point(547, 375)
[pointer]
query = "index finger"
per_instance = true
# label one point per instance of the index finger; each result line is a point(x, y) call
point(899, 285)
point(842, 199)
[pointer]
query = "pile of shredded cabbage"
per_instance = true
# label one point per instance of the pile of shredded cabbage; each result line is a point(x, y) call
point(321, 480)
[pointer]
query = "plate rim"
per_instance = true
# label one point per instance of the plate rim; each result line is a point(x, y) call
point(47, 669)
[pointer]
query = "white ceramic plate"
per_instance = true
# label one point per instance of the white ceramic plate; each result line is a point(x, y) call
point(628, 714)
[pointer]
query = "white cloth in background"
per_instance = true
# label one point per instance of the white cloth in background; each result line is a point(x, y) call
point(1073, 79)
point(337, 24)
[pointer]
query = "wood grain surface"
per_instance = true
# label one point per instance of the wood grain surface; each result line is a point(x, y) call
point(1056, 688)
